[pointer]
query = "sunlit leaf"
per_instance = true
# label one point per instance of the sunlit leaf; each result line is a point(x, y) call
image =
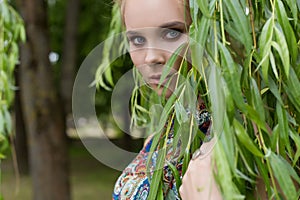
point(265, 44)
point(287, 29)
point(273, 65)
point(282, 50)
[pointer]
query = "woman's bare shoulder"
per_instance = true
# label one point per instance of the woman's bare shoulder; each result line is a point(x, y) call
point(147, 140)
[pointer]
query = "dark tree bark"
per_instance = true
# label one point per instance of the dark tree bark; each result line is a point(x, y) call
point(69, 54)
point(20, 139)
point(42, 112)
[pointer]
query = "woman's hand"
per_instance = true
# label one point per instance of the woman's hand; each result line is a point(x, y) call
point(198, 181)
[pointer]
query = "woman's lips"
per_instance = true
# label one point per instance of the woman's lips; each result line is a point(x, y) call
point(154, 79)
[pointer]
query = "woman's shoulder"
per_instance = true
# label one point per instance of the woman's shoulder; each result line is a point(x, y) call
point(133, 183)
point(148, 141)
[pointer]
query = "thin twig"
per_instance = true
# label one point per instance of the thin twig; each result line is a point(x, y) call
point(252, 23)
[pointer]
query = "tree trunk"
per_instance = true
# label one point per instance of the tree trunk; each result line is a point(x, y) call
point(69, 54)
point(20, 139)
point(42, 111)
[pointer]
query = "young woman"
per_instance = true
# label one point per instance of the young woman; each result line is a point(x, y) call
point(250, 166)
point(155, 30)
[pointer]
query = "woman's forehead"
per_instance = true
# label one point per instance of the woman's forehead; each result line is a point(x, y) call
point(152, 13)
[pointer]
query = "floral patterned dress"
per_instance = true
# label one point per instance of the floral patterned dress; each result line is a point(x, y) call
point(134, 184)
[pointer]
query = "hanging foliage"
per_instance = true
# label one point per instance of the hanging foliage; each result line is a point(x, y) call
point(11, 31)
point(246, 66)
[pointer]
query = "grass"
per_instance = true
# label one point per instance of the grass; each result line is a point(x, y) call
point(91, 180)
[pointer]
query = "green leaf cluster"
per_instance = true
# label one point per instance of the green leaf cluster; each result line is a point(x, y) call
point(255, 46)
point(11, 31)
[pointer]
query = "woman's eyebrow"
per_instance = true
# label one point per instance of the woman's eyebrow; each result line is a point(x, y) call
point(172, 24)
point(132, 33)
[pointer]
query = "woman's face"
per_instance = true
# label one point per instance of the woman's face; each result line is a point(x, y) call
point(155, 29)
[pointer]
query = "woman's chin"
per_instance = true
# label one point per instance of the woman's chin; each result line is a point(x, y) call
point(165, 92)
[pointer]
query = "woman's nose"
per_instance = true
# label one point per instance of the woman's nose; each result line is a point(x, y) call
point(154, 56)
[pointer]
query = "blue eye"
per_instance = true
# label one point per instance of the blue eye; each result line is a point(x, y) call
point(137, 40)
point(172, 34)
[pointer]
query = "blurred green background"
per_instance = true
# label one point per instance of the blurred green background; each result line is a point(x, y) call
point(89, 178)
point(73, 28)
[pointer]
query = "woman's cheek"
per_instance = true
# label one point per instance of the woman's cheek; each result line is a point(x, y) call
point(143, 71)
point(137, 58)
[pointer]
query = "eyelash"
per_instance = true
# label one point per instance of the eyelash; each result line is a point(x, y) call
point(168, 31)
point(136, 43)
point(165, 35)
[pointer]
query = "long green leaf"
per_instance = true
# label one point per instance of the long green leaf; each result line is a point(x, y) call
point(224, 174)
point(228, 139)
point(286, 26)
point(217, 98)
point(160, 193)
point(2, 122)
point(274, 90)
point(240, 22)
point(265, 44)
point(168, 67)
point(292, 89)
point(273, 65)
point(232, 76)
point(262, 168)
point(257, 101)
point(283, 176)
point(296, 139)
point(283, 127)
point(157, 175)
point(245, 139)
point(203, 7)
point(181, 114)
point(293, 9)
point(283, 51)
point(175, 174)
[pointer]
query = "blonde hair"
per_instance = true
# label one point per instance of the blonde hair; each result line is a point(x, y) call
point(121, 4)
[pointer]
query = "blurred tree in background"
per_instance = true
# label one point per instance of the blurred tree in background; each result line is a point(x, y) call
point(42, 109)
point(60, 34)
